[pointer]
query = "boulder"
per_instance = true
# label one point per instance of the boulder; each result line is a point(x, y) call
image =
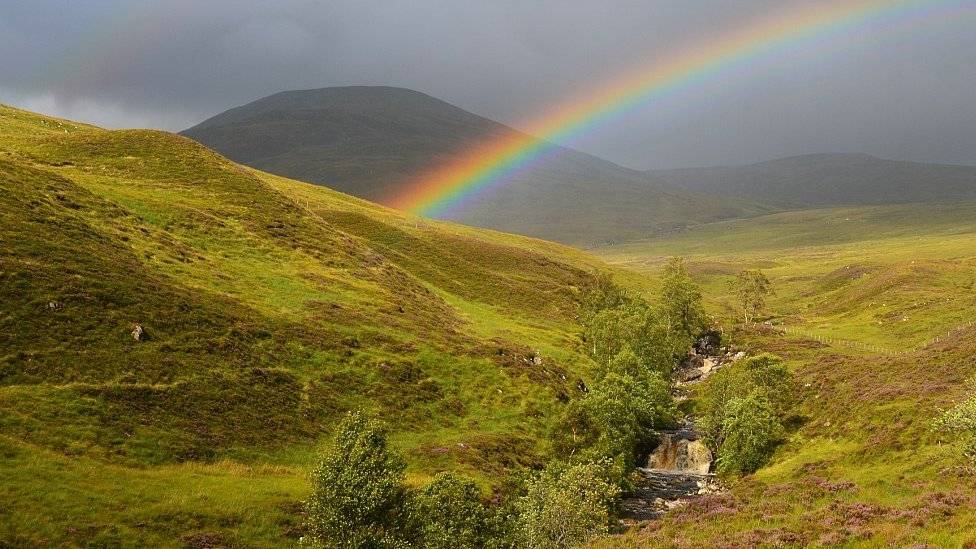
point(692, 361)
point(687, 375)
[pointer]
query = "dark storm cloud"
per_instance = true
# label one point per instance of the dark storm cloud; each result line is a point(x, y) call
point(905, 94)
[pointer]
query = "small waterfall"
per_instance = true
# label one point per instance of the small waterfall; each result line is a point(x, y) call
point(681, 451)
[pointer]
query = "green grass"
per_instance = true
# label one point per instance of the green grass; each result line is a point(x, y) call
point(892, 277)
point(865, 299)
point(272, 307)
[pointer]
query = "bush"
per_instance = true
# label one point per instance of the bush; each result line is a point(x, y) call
point(618, 416)
point(358, 498)
point(960, 421)
point(450, 513)
point(565, 506)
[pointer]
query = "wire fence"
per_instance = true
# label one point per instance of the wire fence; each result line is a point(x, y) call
point(876, 349)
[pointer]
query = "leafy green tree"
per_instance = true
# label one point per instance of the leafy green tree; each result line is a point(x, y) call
point(751, 432)
point(358, 497)
point(634, 325)
point(744, 439)
point(602, 295)
point(618, 416)
point(751, 289)
point(450, 514)
point(769, 373)
point(565, 506)
point(681, 300)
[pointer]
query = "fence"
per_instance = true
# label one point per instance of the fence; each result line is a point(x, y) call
point(835, 342)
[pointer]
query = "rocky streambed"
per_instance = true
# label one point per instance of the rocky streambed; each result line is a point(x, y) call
point(679, 469)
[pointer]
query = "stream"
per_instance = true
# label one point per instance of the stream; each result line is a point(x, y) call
point(680, 467)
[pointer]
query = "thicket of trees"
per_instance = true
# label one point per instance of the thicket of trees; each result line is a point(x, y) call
point(636, 346)
point(359, 500)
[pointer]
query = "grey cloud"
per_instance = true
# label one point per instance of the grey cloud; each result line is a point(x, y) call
point(905, 94)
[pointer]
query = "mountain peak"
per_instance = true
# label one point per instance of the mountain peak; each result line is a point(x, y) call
point(375, 141)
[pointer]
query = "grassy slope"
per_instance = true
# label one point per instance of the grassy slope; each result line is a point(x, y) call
point(271, 306)
point(862, 295)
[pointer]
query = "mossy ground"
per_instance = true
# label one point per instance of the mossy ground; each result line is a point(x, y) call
point(271, 307)
point(873, 312)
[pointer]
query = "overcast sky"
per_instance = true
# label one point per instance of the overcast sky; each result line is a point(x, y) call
point(907, 92)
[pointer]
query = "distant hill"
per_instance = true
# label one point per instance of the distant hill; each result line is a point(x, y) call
point(368, 141)
point(830, 179)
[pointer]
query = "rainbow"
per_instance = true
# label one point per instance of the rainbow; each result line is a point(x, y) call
point(488, 165)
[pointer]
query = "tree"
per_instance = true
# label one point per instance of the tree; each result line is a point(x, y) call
point(743, 409)
point(450, 513)
point(619, 413)
point(634, 325)
point(751, 290)
point(751, 432)
point(358, 497)
point(564, 506)
point(681, 300)
point(603, 294)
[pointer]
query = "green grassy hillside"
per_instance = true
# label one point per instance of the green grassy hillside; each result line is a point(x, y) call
point(874, 312)
point(372, 141)
point(269, 308)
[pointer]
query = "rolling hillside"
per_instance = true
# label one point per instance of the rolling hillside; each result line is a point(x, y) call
point(265, 309)
point(873, 309)
point(830, 179)
point(369, 141)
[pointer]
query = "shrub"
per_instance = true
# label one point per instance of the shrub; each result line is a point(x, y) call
point(565, 506)
point(450, 513)
point(358, 498)
point(618, 416)
point(960, 420)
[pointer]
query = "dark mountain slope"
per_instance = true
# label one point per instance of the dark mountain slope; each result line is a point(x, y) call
point(371, 141)
point(830, 179)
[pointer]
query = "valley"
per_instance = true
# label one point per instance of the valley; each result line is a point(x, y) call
point(488, 275)
point(182, 333)
point(874, 312)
